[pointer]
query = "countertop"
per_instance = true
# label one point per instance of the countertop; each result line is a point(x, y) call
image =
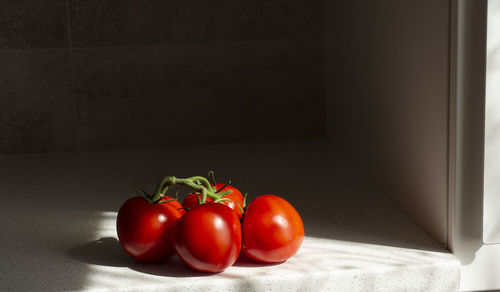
point(58, 215)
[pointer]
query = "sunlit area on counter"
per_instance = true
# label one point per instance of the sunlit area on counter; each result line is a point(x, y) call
point(321, 263)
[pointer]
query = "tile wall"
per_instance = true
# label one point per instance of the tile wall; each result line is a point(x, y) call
point(83, 75)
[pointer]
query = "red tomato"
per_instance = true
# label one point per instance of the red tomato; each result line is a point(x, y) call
point(236, 199)
point(208, 237)
point(145, 229)
point(190, 201)
point(272, 230)
point(174, 203)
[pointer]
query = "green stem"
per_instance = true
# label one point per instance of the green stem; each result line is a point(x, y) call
point(168, 181)
point(211, 176)
point(198, 183)
point(202, 180)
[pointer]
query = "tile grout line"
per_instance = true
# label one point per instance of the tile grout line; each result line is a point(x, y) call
point(174, 44)
point(159, 44)
point(3, 51)
point(76, 137)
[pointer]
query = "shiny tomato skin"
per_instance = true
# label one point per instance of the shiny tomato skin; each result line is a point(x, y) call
point(272, 230)
point(236, 199)
point(145, 229)
point(208, 237)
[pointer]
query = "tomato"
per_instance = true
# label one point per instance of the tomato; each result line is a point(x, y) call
point(145, 229)
point(174, 203)
point(190, 201)
point(208, 237)
point(236, 198)
point(272, 230)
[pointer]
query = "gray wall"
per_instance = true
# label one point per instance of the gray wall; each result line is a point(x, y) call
point(387, 89)
point(82, 75)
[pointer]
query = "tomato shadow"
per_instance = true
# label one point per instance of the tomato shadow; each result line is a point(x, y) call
point(107, 251)
point(246, 262)
point(103, 252)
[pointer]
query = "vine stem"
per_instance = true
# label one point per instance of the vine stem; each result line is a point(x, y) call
point(198, 183)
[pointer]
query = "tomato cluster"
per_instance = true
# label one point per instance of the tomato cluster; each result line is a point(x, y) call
point(210, 229)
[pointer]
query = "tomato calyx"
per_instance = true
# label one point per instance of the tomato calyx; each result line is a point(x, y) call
point(211, 176)
point(244, 207)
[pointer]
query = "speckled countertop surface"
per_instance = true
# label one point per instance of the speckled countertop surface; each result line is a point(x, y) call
point(58, 223)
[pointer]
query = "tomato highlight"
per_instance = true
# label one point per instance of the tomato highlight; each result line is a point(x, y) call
point(208, 237)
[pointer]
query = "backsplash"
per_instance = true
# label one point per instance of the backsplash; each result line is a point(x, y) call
point(81, 75)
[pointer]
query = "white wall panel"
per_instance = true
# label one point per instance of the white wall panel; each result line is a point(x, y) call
point(492, 128)
point(387, 91)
